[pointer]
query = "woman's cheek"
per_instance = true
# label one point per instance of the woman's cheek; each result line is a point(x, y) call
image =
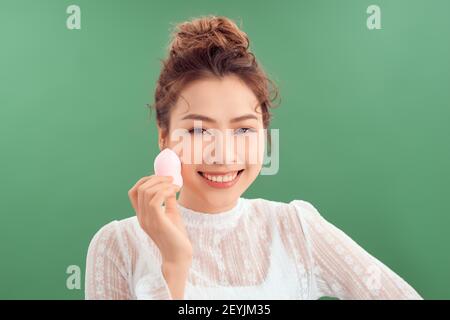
point(253, 152)
point(189, 172)
point(189, 149)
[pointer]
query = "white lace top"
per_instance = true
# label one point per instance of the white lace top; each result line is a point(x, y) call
point(260, 249)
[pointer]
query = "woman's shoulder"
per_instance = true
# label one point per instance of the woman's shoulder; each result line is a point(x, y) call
point(116, 226)
point(293, 216)
point(116, 234)
point(296, 207)
point(296, 216)
point(291, 220)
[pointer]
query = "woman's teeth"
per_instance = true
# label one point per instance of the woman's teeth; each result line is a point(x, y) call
point(220, 178)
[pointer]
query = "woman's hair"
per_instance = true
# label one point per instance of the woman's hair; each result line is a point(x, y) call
point(210, 46)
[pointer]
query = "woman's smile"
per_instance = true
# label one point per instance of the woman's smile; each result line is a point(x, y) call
point(220, 179)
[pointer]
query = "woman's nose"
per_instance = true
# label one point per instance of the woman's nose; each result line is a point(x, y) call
point(225, 149)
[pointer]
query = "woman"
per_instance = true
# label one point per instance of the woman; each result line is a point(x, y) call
point(212, 243)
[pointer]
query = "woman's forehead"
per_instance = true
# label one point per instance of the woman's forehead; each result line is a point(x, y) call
point(216, 99)
point(211, 92)
point(217, 113)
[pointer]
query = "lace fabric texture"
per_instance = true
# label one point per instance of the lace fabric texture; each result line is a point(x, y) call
point(260, 249)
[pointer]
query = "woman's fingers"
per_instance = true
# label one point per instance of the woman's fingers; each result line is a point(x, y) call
point(160, 196)
point(138, 183)
point(153, 181)
point(171, 201)
point(133, 192)
point(145, 194)
point(150, 203)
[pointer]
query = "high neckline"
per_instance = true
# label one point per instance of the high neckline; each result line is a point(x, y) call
point(218, 220)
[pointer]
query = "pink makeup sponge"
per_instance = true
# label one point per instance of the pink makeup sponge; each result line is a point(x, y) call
point(167, 163)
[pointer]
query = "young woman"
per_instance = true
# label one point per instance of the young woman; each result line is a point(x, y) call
point(211, 243)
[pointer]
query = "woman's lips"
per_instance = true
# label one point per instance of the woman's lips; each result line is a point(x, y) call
point(220, 184)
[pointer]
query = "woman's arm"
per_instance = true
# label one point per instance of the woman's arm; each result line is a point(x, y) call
point(342, 268)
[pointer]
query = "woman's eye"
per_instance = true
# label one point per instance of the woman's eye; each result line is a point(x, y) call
point(244, 130)
point(197, 130)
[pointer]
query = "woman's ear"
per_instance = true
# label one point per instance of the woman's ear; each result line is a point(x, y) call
point(161, 139)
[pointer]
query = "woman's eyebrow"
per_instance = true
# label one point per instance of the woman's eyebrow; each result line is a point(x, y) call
point(244, 117)
point(207, 119)
point(198, 117)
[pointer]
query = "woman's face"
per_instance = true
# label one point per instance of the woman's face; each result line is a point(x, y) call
point(216, 128)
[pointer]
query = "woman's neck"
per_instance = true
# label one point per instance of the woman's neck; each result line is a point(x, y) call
point(195, 203)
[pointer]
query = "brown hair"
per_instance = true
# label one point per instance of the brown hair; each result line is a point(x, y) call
point(204, 47)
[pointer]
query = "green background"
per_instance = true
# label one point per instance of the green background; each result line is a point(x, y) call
point(363, 119)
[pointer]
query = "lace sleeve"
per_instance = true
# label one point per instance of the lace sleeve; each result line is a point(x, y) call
point(106, 268)
point(342, 268)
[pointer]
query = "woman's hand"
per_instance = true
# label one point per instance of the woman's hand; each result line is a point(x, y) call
point(164, 225)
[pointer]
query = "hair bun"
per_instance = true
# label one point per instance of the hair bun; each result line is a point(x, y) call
point(207, 32)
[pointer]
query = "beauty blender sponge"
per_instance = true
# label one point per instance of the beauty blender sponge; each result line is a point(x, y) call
point(167, 163)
